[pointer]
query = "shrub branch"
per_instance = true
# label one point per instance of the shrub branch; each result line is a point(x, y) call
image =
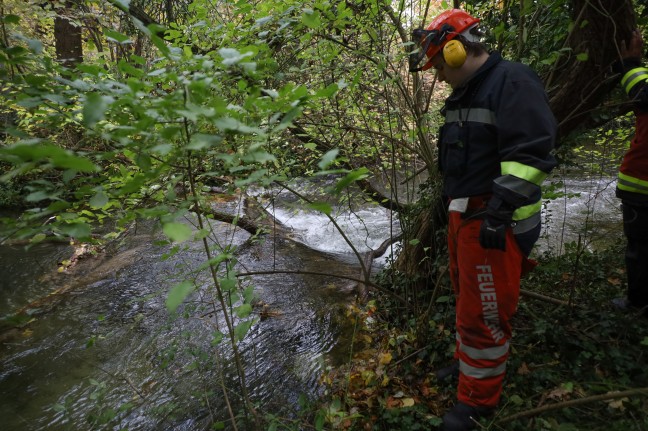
point(573, 403)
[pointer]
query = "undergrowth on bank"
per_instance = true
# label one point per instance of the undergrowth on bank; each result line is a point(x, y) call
point(561, 355)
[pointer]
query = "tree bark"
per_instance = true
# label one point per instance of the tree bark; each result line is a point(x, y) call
point(577, 87)
point(67, 38)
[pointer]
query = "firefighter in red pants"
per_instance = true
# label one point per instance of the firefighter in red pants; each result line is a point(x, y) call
point(494, 152)
point(632, 184)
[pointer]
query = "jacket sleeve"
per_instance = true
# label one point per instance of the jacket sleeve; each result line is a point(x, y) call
point(526, 130)
point(634, 78)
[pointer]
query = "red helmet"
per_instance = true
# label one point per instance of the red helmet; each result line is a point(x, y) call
point(442, 29)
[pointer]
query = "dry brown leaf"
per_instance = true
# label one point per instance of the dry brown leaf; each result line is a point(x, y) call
point(617, 404)
point(393, 403)
point(614, 281)
point(523, 370)
point(559, 394)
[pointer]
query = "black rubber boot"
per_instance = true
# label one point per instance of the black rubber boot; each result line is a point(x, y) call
point(622, 304)
point(448, 373)
point(463, 417)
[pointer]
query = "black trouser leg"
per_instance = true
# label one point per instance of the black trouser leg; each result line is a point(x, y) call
point(635, 227)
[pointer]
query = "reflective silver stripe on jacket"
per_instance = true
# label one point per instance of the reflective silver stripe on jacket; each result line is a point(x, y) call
point(481, 373)
point(477, 115)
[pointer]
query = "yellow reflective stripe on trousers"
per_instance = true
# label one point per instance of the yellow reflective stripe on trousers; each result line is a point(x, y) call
point(490, 353)
point(526, 172)
point(481, 373)
point(632, 184)
point(633, 77)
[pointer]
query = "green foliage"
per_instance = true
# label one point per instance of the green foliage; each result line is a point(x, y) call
point(143, 136)
point(533, 34)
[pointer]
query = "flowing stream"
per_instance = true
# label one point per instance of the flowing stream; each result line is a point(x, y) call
point(97, 349)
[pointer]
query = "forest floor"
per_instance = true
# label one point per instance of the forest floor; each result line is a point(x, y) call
point(580, 366)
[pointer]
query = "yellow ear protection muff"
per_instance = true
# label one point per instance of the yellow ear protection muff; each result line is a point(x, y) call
point(434, 41)
point(454, 53)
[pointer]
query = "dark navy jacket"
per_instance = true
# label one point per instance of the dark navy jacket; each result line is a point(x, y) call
point(498, 136)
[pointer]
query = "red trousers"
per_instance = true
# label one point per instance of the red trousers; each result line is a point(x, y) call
point(487, 287)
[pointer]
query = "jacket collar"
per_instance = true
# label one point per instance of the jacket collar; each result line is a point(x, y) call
point(494, 58)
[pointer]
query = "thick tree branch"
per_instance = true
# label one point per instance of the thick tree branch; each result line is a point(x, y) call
point(139, 14)
point(572, 403)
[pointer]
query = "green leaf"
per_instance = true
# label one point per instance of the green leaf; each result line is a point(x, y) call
point(311, 18)
point(644, 342)
point(99, 200)
point(583, 56)
point(40, 195)
point(328, 91)
point(243, 311)
point(47, 153)
point(234, 125)
point(232, 56)
point(320, 420)
point(67, 160)
point(288, 118)
point(38, 238)
point(35, 45)
point(242, 329)
point(177, 232)
point(217, 338)
point(350, 178)
point(162, 149)
point(130, 69)
point(114, 36)
point(122, 4)
point(201, 141)
point(321, 207)
point(177, 295)
point(227, 284)
point(11, 19)
point(93, 109)
point(159, 43)
point(328, 158)
point(517, 400)
point(76, 230)
point(248, 293)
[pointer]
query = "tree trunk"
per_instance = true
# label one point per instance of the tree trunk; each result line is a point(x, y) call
point(67, 38)
point(578, 87)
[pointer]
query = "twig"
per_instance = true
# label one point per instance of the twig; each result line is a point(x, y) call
point(549, 299)
point(572, 403)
